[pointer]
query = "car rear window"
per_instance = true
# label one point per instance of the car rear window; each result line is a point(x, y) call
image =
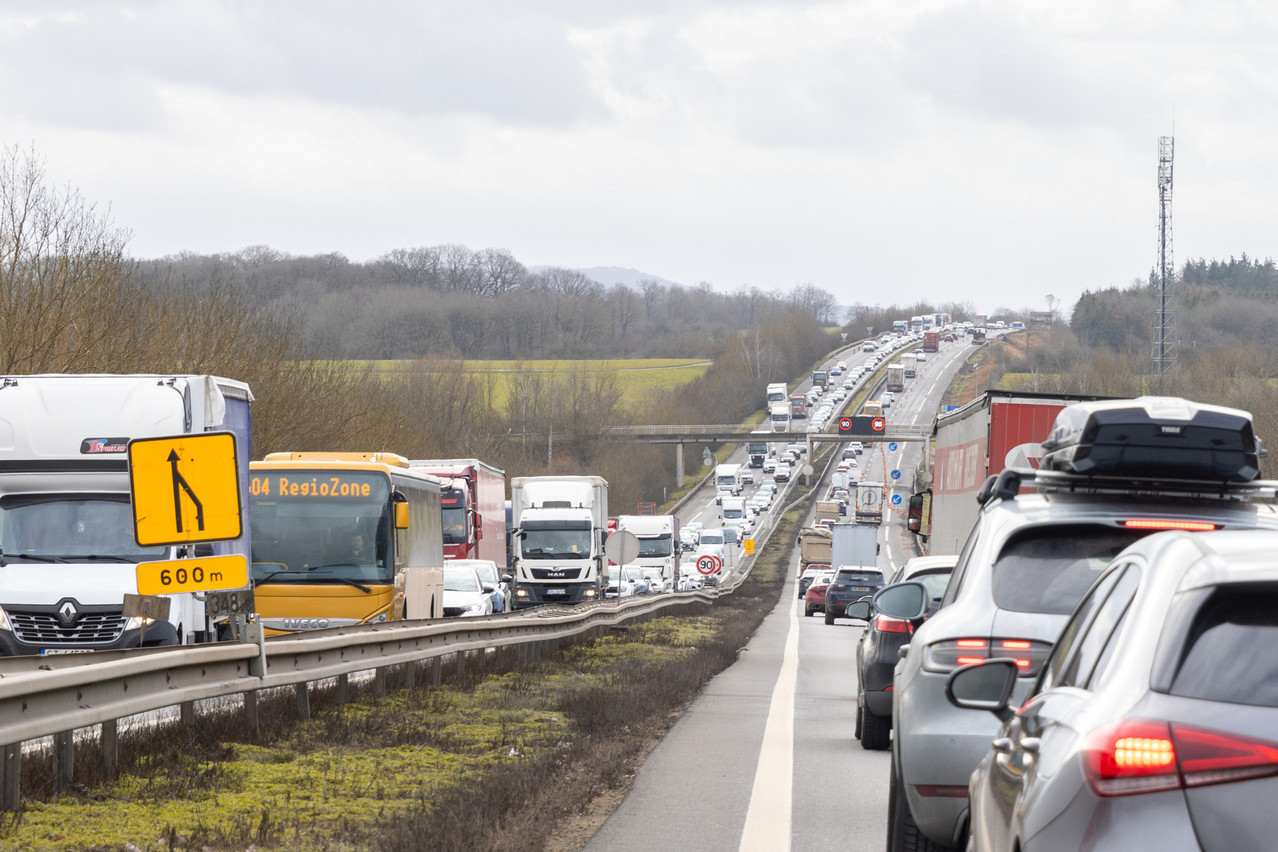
point(1225, 657)
point(861, 576)
point(1049, 569)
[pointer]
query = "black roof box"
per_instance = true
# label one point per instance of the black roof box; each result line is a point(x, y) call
point(1154, 437)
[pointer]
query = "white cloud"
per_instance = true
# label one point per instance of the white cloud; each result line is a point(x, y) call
point(989, 152)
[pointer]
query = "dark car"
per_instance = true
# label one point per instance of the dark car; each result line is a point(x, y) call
point(850, 584)
point(814, 597)
point(879, 648)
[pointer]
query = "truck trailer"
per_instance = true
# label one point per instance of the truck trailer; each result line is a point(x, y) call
point(474, 507)
point(854, 545)
point(931, 341)
point(66, 526)
point(896, 377)
point(560, 524)
point(997, 430)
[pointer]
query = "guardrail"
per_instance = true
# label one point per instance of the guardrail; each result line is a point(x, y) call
point(42, 696)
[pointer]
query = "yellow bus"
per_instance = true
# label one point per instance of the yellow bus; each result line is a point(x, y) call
point(335, 537)
point(872, 408)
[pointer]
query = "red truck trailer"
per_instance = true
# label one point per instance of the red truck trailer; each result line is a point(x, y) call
point(931, 341)
point(998, 430)
point(474, 504)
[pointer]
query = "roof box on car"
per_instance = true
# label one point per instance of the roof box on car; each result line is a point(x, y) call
point(1154, 437)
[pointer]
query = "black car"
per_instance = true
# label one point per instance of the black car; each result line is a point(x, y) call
point(850, 584)
point(877, 652)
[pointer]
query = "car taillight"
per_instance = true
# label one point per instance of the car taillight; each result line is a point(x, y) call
point(1142, 756)
point(888, 624)
point(1029, 654)
point(1155, 524)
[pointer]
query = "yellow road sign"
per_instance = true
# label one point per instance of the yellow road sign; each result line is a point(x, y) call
point(207, 574)
point(185, 488)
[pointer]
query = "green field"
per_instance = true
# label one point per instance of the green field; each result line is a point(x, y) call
point(637, 378)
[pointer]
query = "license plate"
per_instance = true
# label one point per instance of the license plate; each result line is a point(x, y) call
point(550, 592)
point(48, 651)
point(860, 588)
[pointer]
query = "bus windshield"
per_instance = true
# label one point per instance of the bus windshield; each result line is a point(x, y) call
point(70, 527)
point(321, 526)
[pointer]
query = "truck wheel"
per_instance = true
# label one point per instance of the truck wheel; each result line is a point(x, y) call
point(875, 731)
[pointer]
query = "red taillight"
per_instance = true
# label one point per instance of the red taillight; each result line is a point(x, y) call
point(888, 624)
point(1154, 524)
point(947, 656)
point(1141, 756)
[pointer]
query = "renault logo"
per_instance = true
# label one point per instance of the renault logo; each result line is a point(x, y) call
point(67, 613)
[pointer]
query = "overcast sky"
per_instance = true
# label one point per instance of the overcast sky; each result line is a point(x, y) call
point(884, 150)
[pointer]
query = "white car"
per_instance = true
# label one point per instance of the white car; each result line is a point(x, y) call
point(464, 594)
point(769, 465)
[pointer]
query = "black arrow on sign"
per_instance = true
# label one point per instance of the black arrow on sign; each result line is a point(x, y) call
point(180, 481)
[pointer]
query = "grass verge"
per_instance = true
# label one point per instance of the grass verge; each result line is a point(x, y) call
point(498, 757)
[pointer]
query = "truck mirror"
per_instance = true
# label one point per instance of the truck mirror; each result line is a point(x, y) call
point(915, 518)
point(479, 525)
point(401, 516)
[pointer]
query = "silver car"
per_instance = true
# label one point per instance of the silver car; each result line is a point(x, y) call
point(1154, 722)
point(1027, 563)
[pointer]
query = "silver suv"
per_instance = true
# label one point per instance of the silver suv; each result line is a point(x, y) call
point(1029, 560)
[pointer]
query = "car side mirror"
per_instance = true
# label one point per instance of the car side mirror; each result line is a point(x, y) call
point(489, 588)
point(860, 610)
point(908, 601)
point(986, 685)
point(506, 578)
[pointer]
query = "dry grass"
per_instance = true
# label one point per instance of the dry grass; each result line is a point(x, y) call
point(533, 741)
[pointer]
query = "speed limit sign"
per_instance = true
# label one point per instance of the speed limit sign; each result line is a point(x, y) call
point(709, 564)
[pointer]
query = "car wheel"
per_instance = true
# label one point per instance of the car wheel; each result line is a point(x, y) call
point(829, 617)
point(875, 731)
point(903, 834)
point(807, 611)
point(856, 731)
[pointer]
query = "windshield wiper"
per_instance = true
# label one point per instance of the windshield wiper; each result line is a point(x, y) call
point(365, 589)
point(103, 558)
point(34, 557)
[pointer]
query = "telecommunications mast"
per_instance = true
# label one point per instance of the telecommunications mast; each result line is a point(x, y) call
point(1165, 327)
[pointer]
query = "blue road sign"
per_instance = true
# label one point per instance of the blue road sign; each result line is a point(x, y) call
point(892, 446)
point(896, 474)
point(896, 499)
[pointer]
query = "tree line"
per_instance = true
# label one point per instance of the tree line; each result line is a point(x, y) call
point(72, 300)
point(456, 302)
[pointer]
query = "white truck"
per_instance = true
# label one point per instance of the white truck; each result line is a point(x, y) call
point(727, 477)
point(659, 549)
point(779, 416)
point(735, 514)
point(68, 555)
point(854, 545)
point(560, 523)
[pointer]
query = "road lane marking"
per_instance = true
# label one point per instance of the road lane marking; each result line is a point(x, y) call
point(767, 824)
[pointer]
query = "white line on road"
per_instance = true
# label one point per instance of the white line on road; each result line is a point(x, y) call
point(767, 824)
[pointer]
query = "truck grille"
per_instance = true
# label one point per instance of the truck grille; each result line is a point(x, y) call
point(44, 628)
point(555, 573)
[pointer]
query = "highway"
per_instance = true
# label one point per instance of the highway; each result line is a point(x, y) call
point(764, 758)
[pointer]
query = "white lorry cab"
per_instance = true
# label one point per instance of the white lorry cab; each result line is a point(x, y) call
point(780, 417)
point(68, 552)
point(727, 477)
point(659, 548)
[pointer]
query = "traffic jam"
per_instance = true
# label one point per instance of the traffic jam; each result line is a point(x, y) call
point(1075, 658)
